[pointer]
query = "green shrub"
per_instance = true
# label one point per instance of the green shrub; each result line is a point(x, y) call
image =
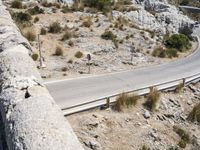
point(78, 54)
point(16, 4)
point(172, 52)
point(152, 99)
point(35, 10)
point(55, 27)
point(194, 115)
point(178, 41)
point(59, 51)
point(43, 31)
point(35, 57)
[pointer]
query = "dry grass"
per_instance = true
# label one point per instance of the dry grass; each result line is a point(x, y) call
point(29, 34)
point(179, 88)
point(87, 22)
point(153, 99)
point(194, 115)
point(125, 101)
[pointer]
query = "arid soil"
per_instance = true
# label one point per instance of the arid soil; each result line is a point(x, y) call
point(137, 127)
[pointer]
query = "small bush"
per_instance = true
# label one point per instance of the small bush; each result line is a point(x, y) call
point(36, 19)
point(171, 52)
point(152, 99)
point(159, 52)
point(194, 115)
point(185, 138)
point(144, 147)
point(182, 144)
point(35, 10)
point(178, 41)
point(179, 88)
point(16, 4)
point(67, 35)
point(101, 5)
point(43, 31)
point(55, 27)
point(87, 22)
point(21, 17)
point(108, 35)
point(64, 69)
point(79, 54)
point(29, 34)
point(35, 57)
point(71, 43)
point(59, 51)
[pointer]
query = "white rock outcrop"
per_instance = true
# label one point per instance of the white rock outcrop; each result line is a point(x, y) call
point(29, 114)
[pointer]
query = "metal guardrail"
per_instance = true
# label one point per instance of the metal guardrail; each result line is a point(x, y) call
point(169, 86)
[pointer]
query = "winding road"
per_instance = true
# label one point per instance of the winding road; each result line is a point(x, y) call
point(74, 92)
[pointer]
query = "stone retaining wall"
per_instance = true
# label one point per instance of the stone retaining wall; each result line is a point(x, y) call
point(30, 116)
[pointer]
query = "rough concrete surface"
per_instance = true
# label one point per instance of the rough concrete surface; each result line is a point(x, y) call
point(30, 116)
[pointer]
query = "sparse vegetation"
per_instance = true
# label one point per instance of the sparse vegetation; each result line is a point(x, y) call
point(108, 35)
point(185, 138)
point(125, 101)
point(55, 27)
point(35, 10)
point(59, 51)
point(153, 99)
point(78, 54)
point(194, 115)
point(64, 69)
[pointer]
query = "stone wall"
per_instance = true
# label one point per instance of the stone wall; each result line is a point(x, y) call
point(30, 116)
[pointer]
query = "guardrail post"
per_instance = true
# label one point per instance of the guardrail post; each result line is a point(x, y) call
point(183, 82)
point(108, 102)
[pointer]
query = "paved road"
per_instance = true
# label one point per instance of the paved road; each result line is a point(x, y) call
point(68, 93)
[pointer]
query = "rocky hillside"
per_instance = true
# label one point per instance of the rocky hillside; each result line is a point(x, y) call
point(139, 128)
point(118, 35)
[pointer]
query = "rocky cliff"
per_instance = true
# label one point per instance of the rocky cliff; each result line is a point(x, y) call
point(31, 119)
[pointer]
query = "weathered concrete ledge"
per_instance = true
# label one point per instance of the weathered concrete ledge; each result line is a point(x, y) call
point(31, 119)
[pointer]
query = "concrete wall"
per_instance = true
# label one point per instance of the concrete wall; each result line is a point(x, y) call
point(30, 116)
